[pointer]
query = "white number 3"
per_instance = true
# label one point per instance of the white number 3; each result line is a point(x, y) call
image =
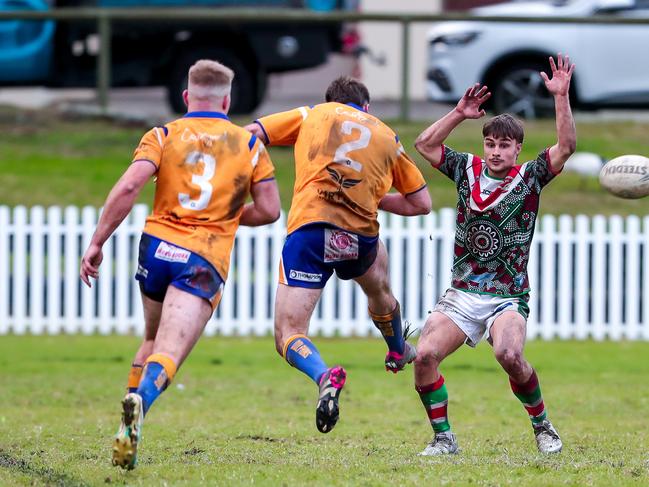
point(201, 180)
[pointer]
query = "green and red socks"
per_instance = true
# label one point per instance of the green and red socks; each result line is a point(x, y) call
point(435, 399)
point(529, 394)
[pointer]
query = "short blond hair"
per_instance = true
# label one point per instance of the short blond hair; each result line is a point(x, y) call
point(208, 79)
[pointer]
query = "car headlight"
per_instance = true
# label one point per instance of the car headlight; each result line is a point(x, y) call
point(455, 39)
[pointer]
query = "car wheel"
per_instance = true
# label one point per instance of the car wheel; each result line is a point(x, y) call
point(520, 91)
point(244, 95)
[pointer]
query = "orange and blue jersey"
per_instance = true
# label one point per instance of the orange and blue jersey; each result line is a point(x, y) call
point(205, 168)
point(346, 160)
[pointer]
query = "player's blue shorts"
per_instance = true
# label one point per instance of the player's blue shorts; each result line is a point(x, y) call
point(313, 252)
point(162, 264)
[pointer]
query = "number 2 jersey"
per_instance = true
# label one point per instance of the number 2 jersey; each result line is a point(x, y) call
point(346, 160)
point(206, 166)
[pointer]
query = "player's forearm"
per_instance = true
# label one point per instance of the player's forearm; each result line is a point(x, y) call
point(254, 215)
point(566, 131)
point(119, 203)
point(439, 131)
point(400, 205)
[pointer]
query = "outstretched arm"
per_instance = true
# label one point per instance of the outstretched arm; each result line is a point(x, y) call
point(559, 87)
point(429, 143)
point(118, 204)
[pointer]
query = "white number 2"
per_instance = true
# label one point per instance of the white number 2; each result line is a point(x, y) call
point(340, 157)
point(201, 180)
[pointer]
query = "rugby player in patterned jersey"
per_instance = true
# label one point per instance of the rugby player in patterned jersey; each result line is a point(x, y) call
point(497, 207)
point(346, 161)
point(206, 168)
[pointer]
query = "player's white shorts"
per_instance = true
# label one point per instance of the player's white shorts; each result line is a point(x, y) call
point(475, 313)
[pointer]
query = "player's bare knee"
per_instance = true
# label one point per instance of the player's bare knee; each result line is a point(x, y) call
point(510, 358)
point(428, 358)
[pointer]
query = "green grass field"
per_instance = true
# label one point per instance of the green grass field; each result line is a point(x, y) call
point(236, 414)
point(47, 160)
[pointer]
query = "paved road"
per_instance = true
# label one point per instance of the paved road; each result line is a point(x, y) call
point(151, 103)
point(284, 92)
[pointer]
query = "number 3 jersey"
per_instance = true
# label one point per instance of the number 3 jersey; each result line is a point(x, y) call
point(345, 161)
point(206, 166)
point(495, 222)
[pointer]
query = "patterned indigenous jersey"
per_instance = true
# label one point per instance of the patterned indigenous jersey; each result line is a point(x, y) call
point(346, 160)
point(495, 222)
point(206, 166)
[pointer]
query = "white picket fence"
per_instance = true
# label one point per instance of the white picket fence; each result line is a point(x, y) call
point(590, 276)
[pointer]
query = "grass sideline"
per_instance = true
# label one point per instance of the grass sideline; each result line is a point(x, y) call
point(47, 160)
point(242, 416)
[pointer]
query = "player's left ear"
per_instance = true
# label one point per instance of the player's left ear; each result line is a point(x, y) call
point(186, 97)
point(226, 104)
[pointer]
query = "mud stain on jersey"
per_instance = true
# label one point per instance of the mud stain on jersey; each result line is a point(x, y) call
point(334, 139)
point(239, 194)
point(234, 143)
point(314, 150)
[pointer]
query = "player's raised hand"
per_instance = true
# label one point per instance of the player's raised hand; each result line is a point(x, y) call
point(474, 97)
point(90, 263)
point(562, 70)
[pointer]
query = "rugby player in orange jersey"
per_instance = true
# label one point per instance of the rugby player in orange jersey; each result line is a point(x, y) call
point(206, 168)
point(346, 161)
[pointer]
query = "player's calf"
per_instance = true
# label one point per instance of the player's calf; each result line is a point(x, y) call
point(390, 327)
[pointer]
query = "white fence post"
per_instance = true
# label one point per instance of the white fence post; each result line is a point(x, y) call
point(19, 287)
point(644, 299)
point(632, 297)
point(582, 290)
point(54, 275)
point(36, 273)
point(600, 272)
point(589, 277)
point(5, 286)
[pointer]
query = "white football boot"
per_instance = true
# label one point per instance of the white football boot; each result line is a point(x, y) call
point(443, 444)
point(547, 438)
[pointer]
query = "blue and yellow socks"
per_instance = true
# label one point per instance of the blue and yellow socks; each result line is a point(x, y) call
point(301, 353)
point(134, 377)
point(390, 327)
point(159, 371)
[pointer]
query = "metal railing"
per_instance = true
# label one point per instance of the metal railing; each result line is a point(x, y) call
point(105, 16)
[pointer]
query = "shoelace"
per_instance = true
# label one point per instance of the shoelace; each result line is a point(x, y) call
point(407, 331)
point(544, 428)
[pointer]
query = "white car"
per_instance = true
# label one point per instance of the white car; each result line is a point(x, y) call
point(612, 59)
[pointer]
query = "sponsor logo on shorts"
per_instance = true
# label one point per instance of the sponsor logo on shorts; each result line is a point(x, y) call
point(171, 254)
point(340, 245)
point(141, 271)
point(304, 276)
